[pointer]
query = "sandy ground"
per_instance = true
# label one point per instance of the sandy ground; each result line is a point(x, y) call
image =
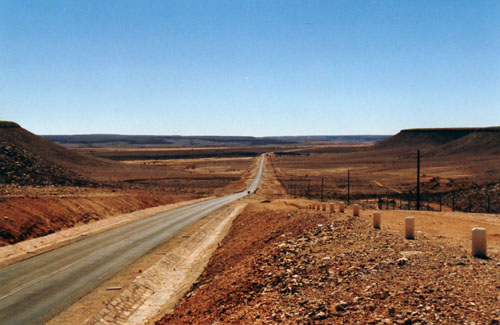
point(453, 225)
point(463, 179)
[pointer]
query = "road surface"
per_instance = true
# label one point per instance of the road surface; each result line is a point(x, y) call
point(36, 289)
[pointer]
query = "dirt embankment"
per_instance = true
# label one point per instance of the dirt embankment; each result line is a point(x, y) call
point(282, 264)
point(35, 212)
point(30, 212)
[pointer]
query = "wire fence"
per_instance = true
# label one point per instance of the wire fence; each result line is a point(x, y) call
point(478, 199)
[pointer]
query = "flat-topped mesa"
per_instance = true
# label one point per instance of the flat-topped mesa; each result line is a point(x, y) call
point(448, 140)
point(458, 129)
point(8, 125)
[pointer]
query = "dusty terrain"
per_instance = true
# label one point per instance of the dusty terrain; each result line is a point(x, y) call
point(32, 211)
point(45, 188)
point(282, 264)
point(459, 167)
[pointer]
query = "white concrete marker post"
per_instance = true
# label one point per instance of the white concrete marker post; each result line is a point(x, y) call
point(332, 207)
point(410, 228)
point(355, 210)
point(376, 220)
point(324, 206)
point(341, 207)
point(479, 242)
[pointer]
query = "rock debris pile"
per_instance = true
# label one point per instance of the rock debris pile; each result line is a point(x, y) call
point(20, 167)
point(305, 267)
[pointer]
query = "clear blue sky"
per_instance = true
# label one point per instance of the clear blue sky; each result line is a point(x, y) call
point(248, 67)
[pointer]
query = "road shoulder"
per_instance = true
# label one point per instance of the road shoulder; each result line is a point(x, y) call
point(157, 280)
point(32, 247)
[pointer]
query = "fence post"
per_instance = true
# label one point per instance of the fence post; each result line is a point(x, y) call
point(489, 203)
point(322, 184)
point(418, 180)
point(309, 189)
point(348, 187)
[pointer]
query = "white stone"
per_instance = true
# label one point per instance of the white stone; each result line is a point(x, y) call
point(355, 210)
point(376, 220)
point(410, 228)
point(479, 242)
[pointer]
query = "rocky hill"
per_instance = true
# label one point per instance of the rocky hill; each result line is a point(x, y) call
point(27, 159)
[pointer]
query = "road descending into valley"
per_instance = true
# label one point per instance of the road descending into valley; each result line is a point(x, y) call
point(36, 289)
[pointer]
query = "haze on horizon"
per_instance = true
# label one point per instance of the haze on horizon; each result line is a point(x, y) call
point(254, 68)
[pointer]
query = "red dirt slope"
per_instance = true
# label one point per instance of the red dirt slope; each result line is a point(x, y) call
point(306, 267)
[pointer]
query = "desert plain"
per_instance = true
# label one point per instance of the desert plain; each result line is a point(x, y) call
point(278, 260)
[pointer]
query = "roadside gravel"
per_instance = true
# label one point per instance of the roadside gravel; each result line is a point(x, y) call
point(295, 266)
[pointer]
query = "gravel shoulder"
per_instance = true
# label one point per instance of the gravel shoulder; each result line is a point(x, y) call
point(279, 263)
point(173, 267)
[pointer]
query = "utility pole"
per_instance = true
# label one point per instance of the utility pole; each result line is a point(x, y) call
point(309, 189)
point(322, 185)
point(418, 179)
point(348, 187)
point(489, 203)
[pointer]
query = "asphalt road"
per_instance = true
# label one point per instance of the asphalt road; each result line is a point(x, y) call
point(36, 289)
